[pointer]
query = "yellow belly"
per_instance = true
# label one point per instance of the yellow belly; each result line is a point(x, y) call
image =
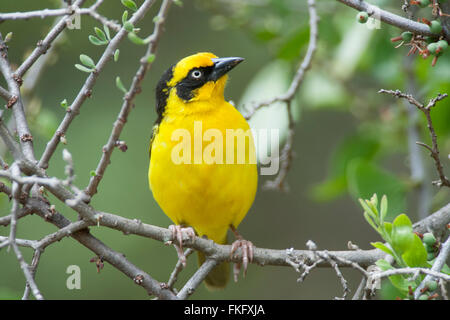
point(207, 197)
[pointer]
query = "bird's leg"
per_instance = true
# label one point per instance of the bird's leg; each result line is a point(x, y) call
point(247, 252)
point(177, 240)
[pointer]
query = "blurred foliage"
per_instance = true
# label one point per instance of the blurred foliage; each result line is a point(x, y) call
point(350, 141)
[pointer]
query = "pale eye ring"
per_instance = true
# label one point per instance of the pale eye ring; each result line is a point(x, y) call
point(196, 74)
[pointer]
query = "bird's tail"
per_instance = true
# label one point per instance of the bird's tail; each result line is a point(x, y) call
point(218, 277)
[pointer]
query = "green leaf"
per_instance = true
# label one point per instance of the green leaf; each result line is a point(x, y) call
point(367, 208)
point(8, 37)
point(445, 269)
point(388, 228)
point(128, 26)
point(401, 283)
point(108, 35)
point(87, 61)
point(124, 17)
point(383, 265)
point(136, 40)
point(402, 234)
point(416, 254)
point(64, 104)
point(101, 35)
point(92, 173)
point(365, 178)
point(96, 41)
point(151, 58)
point(382, 247)
point(373, 207)
point(120, 85)
point(383, 208)
point(178, 3)
point(374, 201)
point(129, 4)
point(116, 55)
point(83, 68)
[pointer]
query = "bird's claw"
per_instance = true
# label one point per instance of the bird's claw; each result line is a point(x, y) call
point(247, 256)
point(178, 233)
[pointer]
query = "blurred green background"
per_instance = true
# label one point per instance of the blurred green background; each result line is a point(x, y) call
point(349, 142)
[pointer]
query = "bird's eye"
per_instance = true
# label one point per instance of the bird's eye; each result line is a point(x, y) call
point(196, 74)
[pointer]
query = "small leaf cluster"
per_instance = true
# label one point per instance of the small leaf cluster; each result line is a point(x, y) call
point(401, 242)
point(101, 38)
point(128, 25)
point(88, 65)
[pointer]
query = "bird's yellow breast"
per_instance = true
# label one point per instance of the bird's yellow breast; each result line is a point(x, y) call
point(212, 193)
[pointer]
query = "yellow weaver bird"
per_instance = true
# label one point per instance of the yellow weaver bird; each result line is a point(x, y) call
point(208, 196)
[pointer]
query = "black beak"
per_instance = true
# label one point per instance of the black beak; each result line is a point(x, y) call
point(222, 66)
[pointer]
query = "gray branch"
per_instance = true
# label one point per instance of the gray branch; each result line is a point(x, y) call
point(390, 18)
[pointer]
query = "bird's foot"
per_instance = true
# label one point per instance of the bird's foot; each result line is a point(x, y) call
point(178, 233)
point(247, 253)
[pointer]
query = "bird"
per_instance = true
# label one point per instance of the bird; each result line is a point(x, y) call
point(205, 190)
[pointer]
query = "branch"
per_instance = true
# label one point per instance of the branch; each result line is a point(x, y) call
point(390, 18)
point(197, 278)
point(128, 100)
point(304, 66)
point(5, 94)
point(45, 13)
point(26, 139)
point(434, 150)
point(86, 90)
point(116, 259)
point(16, 188)
point(435, 223)
point(287, 97)
point(45, 44)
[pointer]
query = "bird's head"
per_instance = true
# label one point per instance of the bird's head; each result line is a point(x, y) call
point(198, 77)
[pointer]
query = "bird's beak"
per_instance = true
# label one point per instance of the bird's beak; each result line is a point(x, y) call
point(222, 66)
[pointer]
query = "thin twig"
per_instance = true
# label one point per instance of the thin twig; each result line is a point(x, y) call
point(45, 13)
point(5, 94)
point(197, 278)
point(86, 90)
point(413, 271)
point(178, 268)
point(286, 154)
point(33, 269)
point(304, 66)
point(12, 236)
point(434, 150)
point(23, 130)
point(45, 44)
point(128, 100)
